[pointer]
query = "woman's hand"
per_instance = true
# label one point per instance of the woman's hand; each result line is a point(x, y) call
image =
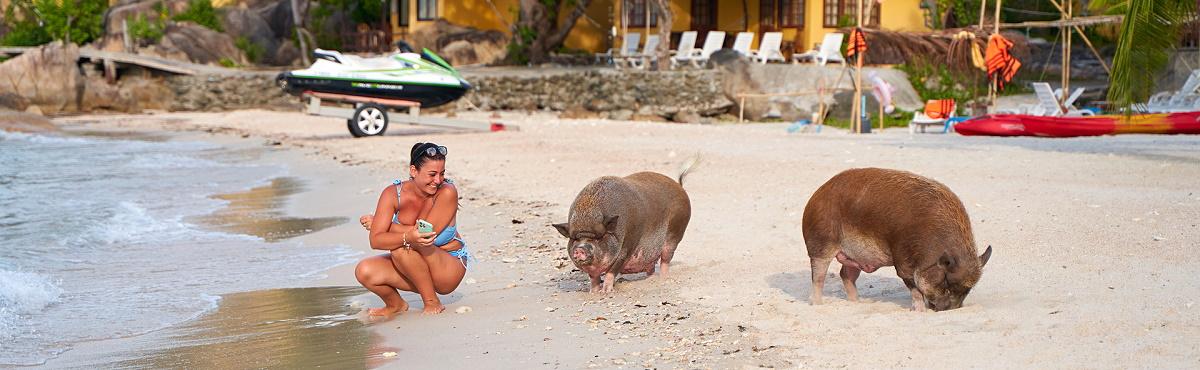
point(418, 239)
point(365, 220)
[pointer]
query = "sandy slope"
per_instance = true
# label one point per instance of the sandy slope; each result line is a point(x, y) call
point(1094, 240)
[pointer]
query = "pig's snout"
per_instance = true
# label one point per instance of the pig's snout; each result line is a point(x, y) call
point(943, 304)
point(582, 253)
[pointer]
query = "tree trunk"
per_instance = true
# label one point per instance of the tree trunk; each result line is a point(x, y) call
point(300, 31)
point(666, 18)
point(541, 21)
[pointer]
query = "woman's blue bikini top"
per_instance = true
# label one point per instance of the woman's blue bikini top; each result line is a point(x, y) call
point(442, 238)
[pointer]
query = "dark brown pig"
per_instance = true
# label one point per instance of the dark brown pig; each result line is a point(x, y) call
point(871, 217)
point(625, 225)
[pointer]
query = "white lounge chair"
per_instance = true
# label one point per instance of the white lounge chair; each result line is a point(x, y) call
point(712, 42)
point(768, 48)
point(628, 49)
point(1185, 99)
point(687, 43)
point(649, 52)
point(830, 51)
point(921, 120)
point(742, 43)
point(1048, 104)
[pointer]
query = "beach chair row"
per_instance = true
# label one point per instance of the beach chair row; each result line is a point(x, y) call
point(1186, 99)
point(688, 54)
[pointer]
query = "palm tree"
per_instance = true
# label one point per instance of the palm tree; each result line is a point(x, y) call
point(1148, 34)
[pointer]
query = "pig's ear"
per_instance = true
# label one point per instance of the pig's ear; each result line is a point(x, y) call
point(948, 263)
point(983, 258)
point(610, 223)
point(562, 229)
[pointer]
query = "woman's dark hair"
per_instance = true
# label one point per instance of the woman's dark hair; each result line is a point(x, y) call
point(419, 153)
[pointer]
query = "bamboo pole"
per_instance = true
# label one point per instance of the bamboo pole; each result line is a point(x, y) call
point(1086, 41)
point(858, 62)
point(982, 9)
point(994, 85)
point(1066, 69)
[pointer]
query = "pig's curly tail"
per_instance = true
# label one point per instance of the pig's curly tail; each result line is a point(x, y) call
point(688, 167)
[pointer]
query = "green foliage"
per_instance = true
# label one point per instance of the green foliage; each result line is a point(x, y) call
point(22, 30)
point(360, 11)
point(36, 22)
point(254, 52)
point(200, 12)
point(326, 37)
point(897, 118)
point(228, 63)
point(933, 80)
point(519, 45)
point(846, 21)
point(1150, 31)
point(146, 32)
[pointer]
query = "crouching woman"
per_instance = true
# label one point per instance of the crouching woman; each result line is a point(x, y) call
point(429, 263)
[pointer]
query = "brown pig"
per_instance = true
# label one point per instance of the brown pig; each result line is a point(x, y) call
point(871, 217)
point(625, 225)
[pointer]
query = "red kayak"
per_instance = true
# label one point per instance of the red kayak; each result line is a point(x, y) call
point(1026, 125)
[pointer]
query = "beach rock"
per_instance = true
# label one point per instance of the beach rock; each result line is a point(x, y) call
point(803, 82)
point(25, 122)
point(113, 38)
point(686, 117)
point(461, 45)
point(47, 77)
point(12, 101)
point(248, 24)
point(201, 45)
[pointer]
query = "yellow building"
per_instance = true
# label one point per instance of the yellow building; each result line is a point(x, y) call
point(803, 22)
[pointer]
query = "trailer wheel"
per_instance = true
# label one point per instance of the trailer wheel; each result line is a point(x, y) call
point(368, 120)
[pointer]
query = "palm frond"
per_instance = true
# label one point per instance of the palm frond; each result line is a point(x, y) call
point(1148, 34)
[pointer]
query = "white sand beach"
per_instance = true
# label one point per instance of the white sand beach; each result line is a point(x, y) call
point(1094, 245)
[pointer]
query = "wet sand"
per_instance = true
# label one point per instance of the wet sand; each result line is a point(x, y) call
point(280, 328)
point(1093, 242)
point(257, 212)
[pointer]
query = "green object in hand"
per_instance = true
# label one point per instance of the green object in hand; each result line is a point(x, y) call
point(424, 226)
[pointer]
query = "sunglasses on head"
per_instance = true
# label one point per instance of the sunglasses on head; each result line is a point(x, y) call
point(434, 151)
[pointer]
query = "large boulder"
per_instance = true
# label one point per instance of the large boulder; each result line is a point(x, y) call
point(25, 122)
point(249, 24)
point(47, 77)
point(128, 11)
point(201, 44)
point(278, 16)
point(790, 92)
point(51, 80)
point(12, 101)
point(461, 45)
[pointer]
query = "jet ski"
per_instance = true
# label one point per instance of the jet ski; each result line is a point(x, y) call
point(424, 78)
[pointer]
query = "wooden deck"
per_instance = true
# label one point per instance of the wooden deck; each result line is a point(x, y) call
point(106, 57)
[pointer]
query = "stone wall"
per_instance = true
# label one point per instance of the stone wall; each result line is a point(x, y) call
point(619, 94)
point(227, 92)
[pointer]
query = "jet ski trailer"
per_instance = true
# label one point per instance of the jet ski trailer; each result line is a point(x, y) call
point(368, 116)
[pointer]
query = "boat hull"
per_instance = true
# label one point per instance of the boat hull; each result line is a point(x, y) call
point(1042, 126)
point(427, 95)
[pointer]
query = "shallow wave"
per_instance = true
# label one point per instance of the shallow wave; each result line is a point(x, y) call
point(23, 293)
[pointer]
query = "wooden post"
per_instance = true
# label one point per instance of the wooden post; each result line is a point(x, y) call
point(856, 121)
point(982, 9)
point(1066, 55)
point(880, 115)
point(994, 85)
point(742, 109)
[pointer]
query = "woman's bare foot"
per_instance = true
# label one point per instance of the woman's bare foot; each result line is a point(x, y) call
point(388, 310)
point(433, 307)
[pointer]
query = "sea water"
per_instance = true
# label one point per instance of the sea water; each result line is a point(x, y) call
point(95, 239)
